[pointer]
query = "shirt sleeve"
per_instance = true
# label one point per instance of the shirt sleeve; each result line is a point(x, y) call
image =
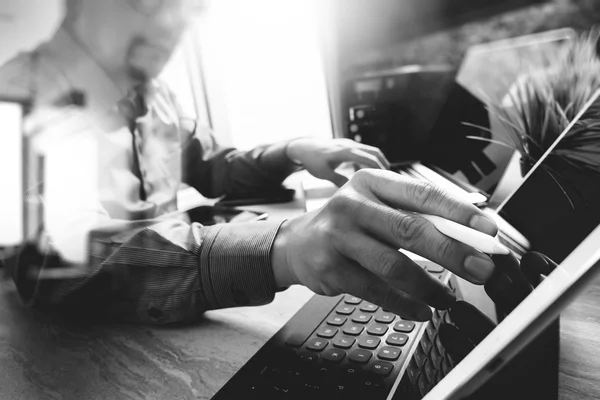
point(149, 277)
point(214, 170)
point(150, 271)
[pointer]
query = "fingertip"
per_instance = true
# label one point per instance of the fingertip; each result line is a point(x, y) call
point(443, 298)
point(424, 313)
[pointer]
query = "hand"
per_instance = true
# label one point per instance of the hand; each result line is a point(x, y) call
point(322, 157)
point(509, 285)
point(351, 244)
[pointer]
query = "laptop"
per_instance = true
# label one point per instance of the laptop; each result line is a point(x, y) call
point(344, 347)
point(463, 141)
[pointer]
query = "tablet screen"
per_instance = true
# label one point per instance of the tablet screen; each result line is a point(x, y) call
point(557, 208)
point(526, 321)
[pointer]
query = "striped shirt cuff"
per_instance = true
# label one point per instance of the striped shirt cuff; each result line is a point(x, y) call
point(235, 264)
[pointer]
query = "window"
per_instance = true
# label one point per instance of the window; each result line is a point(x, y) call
point(256, 71)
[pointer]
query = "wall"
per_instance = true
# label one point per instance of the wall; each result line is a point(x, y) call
point(25, 23)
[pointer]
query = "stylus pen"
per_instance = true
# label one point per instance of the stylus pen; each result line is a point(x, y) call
point(478, 240)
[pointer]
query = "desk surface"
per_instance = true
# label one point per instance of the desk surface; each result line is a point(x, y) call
point(45, 357)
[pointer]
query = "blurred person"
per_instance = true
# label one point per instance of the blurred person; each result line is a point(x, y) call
point(114, 164)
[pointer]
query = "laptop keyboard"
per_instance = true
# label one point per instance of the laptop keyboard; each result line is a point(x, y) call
point(358, 351)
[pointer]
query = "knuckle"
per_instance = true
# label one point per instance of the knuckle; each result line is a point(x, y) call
point(426, 194)
point(408, 229)
point(446, 249)
point(363, 175)
point(341, 202)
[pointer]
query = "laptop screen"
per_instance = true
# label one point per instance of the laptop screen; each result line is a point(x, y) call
point(464, 140)
point(11, 179)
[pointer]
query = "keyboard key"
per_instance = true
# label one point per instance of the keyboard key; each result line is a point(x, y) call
point(438, 377)
point(308, 356)
point(397, 339)
point(372, 388)
point(383, 368)
point(353, 329)
point(316, 344)
point(377, 330)
point(385, 317)
point(451, 285)
point(424, 385)
point(426, 344)
point(325, 371)
point(447, 318)
point(369, 342)
point(341, 391)
point(336, 320)
point(413, 371)
point(327, 332)
point(389, 353)
point(439, 345)
point(345, 310)
point(351, 374)
point(361, 318)
point(436, 319)
point(430, 371)
point(434, 268)
point(352, 300)
point(343, 342)
point(309, 389)
point(404, 326)
point(446, 365)
point(435, 357)
point(360, 356)
point(419, 357)
point(368, 307)
point(334, 355)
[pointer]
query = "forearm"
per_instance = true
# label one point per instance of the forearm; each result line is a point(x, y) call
point(168, 272)
point(233, 171)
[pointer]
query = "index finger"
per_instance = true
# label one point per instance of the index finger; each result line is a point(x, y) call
point(425, 197)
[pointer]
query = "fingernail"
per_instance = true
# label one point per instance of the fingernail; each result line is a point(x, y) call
point(479, 266)
point(483, 224)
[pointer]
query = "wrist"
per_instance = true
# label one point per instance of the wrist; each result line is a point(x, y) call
point(279, 259)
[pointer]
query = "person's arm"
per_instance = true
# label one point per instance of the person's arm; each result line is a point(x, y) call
point(156, 271)
point(215, 171)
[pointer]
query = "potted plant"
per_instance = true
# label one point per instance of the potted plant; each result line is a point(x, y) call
point(562, 196)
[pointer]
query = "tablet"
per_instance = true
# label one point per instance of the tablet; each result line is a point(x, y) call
point(561, 221)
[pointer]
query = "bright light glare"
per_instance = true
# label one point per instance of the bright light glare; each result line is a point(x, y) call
point(11, 178)
point(267, 56)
